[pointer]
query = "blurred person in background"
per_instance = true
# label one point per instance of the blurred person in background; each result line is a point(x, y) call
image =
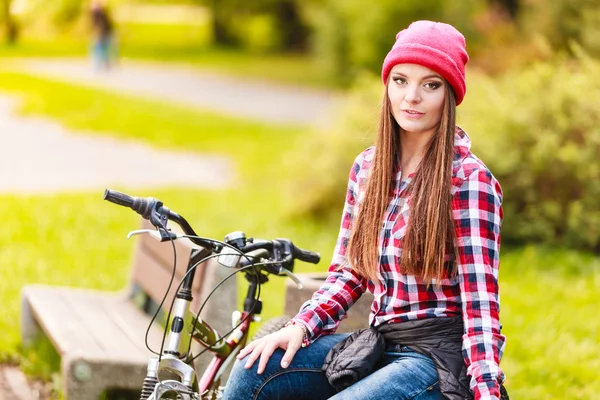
point(103, 36)
point(421, 231)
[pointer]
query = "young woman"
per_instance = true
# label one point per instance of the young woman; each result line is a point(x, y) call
point(421, 231)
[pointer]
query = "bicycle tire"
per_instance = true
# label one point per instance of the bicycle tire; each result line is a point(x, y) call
point(272, 325)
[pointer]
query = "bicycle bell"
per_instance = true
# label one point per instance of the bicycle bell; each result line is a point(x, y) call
point(228, 256)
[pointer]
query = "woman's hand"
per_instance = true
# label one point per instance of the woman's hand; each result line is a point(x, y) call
point(288, 339)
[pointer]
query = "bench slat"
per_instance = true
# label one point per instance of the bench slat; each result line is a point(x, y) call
point(96, 313)
point(101, 334)
point(92, 324)
point(52, 310)
point(133, 323)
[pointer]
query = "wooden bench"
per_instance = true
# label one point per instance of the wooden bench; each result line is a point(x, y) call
point(100, 335)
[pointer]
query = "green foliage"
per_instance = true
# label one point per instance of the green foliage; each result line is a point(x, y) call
point(349, 37)
point(537, 129)
point(52, 15)
point(260, 25)
point(162, 40)
point(259, 34)
point(563, 22)
point(318, 190)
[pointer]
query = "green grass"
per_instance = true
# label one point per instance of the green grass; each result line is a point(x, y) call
point(79, 240)
point(52, 239)
point(38, 47)
point(256, 146)
point(549, 296)
point(550, 315)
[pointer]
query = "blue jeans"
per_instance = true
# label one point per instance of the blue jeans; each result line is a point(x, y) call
point(102, 52)
point(402, 374)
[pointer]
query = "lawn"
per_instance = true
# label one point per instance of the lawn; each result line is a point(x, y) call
point(255, 146)
point(549, 296)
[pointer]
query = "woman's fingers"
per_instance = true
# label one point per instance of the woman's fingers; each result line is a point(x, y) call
point(246, 350)
point(288, 339)
point(255, 353)
point(264, 357)
point(290, 352)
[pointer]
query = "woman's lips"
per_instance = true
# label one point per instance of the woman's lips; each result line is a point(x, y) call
point(412, 113)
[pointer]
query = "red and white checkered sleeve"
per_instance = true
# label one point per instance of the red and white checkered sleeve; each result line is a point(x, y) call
point(477, 211)
point(342, 288)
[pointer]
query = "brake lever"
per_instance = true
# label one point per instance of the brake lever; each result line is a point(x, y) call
point(161, 235)
point(293, 277)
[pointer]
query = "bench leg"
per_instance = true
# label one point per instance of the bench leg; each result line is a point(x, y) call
point(78, 381)
point(30, 330)
point(87, 380)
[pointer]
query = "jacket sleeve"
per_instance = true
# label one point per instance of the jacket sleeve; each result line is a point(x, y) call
point(477, 211)
point(342, 288)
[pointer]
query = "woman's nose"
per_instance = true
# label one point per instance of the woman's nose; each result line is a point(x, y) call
point(412, 94)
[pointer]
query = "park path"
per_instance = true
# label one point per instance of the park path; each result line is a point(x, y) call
point(40, 156)
point(262, 101)
point(14, 385)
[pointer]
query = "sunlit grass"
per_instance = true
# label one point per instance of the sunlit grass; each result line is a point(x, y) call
point(548, 296)
point(253, 145)
point(549, 307)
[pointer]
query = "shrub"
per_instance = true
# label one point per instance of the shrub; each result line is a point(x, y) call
point(319, 188)
point(538, 130)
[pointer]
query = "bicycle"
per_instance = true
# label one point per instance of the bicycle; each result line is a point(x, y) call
point(257, 258)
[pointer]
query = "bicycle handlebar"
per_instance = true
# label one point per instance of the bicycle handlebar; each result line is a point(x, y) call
point(296, 252)
point(154, 211)
point(137, 204)
point(306, 255)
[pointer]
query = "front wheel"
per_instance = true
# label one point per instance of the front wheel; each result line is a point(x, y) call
point(272, 325)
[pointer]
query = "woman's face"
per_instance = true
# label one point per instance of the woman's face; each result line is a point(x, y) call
point(417, 96)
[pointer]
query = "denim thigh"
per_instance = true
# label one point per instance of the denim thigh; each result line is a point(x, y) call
point(303, 379)
point(404, 374)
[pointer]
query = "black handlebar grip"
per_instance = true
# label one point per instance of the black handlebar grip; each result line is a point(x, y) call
point(118, 198)
point(307, 256)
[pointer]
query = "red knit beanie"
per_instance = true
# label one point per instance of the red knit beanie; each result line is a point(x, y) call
point(434, 45)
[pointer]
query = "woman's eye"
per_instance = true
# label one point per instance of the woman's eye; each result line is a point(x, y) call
point(433, 85)
point(400, 81)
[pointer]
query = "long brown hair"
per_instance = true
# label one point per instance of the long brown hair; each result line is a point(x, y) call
point(430, 229)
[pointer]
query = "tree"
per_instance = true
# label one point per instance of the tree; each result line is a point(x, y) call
point(10, 25)
point(230, 16)
point(221, 20)
point(511, 7)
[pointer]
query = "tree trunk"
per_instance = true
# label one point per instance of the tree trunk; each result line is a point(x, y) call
point(221, 33)
point(511, 7)
point(293, 30)
point(10, 27)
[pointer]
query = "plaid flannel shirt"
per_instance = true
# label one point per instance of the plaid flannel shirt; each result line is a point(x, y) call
point(473, 293)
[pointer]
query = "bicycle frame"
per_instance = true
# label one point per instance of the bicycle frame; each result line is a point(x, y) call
point(183, 322)
point(175, 357)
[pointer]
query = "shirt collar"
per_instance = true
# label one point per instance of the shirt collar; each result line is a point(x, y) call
point(462, 149)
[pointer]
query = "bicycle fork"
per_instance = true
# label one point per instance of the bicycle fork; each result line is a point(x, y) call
point(175, 347)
